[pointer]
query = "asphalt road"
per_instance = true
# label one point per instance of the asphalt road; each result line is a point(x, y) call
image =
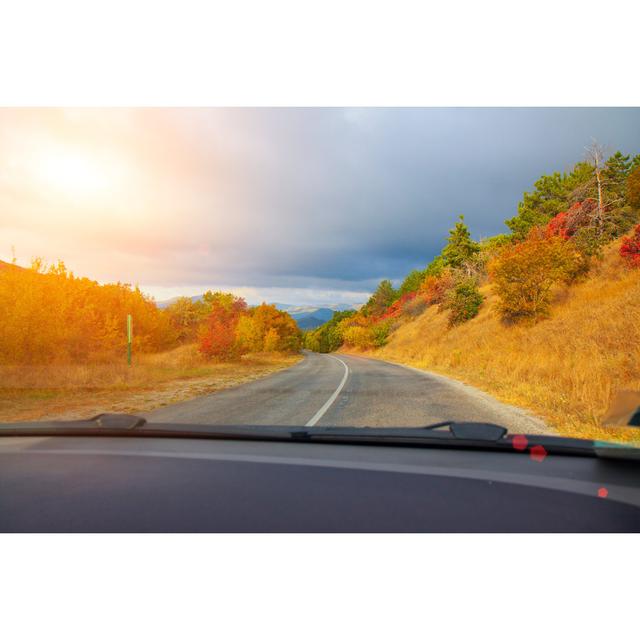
point(341, 390)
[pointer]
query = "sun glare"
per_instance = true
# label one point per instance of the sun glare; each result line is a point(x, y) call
point(73, 173)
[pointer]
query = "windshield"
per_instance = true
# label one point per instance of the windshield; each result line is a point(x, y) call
point(323, 267)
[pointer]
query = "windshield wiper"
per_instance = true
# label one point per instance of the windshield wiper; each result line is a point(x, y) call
point(476, 435)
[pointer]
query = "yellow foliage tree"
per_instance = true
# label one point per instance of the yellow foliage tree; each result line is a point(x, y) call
point(48, 315)
point(265, 328)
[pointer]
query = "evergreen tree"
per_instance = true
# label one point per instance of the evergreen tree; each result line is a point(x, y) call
point(383, 297)
point(412, 282)
point(551, 195)
point(460, 247)
point(616, 170)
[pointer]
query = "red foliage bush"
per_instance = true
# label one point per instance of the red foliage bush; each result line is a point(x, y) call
point(630, 248)
point(567, 223)
point(434, 288)
point(397, 308)
point(217, 338)
point(557, 226)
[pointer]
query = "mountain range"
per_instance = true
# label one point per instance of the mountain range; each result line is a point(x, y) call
point(310, 317)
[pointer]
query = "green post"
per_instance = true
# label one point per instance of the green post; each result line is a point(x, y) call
point(129, 338)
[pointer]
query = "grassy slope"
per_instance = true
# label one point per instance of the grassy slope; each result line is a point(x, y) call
point(564, 369)
point(154, 380)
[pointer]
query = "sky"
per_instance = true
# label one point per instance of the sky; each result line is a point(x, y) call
point(290, 205)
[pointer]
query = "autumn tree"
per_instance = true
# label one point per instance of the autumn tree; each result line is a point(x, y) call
point(48, 315)
point(185, 316)
point(524, 274)
point(265, 328)
point(217, 336)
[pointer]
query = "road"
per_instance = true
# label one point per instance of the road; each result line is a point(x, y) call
point(346, 390)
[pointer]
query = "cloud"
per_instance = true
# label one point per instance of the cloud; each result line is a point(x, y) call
point(298, 200)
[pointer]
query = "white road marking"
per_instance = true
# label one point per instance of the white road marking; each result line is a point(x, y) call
point(324, 408)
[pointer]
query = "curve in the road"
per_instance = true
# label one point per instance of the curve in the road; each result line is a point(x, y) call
point(324, 408)
point(349, 391)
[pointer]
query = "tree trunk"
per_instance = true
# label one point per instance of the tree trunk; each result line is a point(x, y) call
point(600, 204)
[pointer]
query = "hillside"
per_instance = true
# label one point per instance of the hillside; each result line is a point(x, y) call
point(565, 368)
point(7, 265)
point(545, 316)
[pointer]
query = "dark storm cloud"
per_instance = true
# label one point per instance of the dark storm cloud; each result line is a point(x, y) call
point(355, 195)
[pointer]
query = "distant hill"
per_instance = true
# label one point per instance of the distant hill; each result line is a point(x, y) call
point(310, 322)
point(163, 304)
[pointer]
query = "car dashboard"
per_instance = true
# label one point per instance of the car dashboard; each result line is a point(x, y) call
point(157, 484)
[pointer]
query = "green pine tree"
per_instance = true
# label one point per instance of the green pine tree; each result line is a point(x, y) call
point(460, 247)
point(383, 297)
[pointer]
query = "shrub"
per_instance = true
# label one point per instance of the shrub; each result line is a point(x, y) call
point(364, 333)
point(415, 306)
point(630, 248)
point(358, 336)
point(398, 307)
point(434, 288)
point(380, 333)
point(525, 274)
point(463, 301)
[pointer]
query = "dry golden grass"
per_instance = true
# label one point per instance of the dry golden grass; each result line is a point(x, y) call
point(564, 369)
point(153, 380)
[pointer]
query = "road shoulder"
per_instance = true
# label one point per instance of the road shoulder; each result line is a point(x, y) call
point(518, 419)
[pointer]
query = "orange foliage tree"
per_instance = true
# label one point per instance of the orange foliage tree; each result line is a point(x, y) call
point(525, 273)
point(217, 335)
point(434, 288)
point(232, 329)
